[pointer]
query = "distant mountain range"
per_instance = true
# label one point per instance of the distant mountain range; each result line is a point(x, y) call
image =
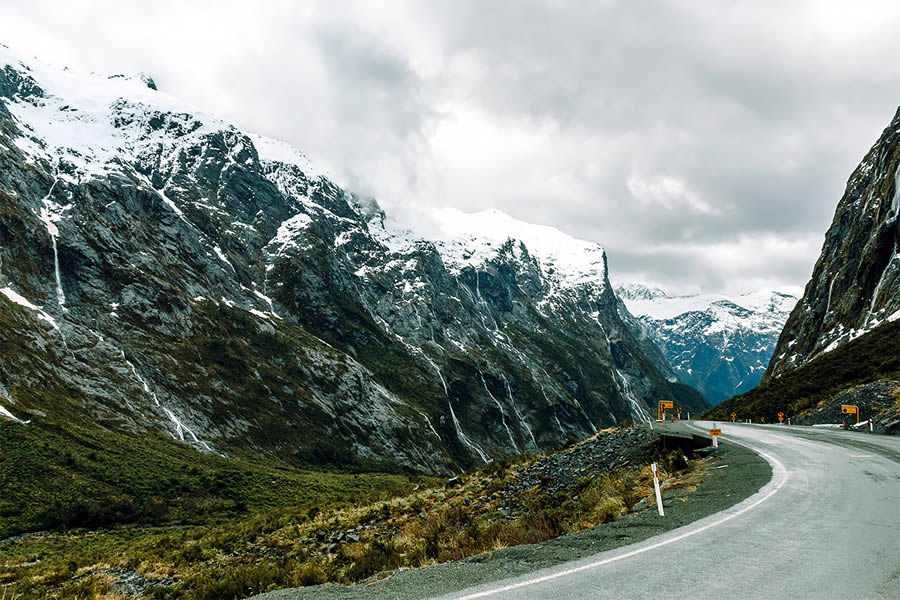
point(718, 344)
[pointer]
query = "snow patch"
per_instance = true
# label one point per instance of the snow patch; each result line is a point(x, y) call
point(21, 301)
point(9, 415)
point(472, 239)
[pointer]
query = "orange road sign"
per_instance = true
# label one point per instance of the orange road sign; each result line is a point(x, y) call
point(679, 410)
point(849, 409)
point(733, 416)
point(715, 432)
point(781, 416)
point(663, 405)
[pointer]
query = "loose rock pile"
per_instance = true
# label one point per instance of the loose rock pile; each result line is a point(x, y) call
point(129, 582)
point(563, 470)
point(876, 400)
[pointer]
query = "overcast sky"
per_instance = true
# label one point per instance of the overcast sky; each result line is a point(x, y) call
point(704, 144)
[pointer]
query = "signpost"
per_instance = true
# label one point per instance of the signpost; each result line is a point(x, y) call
point(850, 409)
point(678, 410)
point(714, 434)
point(660, 410)
point(781, 417)
point(659, 505)
point(733, 416)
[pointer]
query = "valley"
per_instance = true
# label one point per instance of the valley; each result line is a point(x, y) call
point(227, 373)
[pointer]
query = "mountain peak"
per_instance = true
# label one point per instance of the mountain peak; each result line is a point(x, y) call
point(470, 240)
point(639, 291)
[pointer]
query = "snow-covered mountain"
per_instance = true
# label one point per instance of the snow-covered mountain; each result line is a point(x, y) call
point(720, 345)
point(163, 270)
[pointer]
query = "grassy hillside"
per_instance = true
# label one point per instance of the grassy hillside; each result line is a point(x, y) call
point(345, 539)
point(874, 356)
point(688, 398)
point(55, 474)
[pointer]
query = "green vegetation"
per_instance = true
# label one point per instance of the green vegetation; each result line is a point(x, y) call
point(688, 398)
point(56, 475)
point(873, 356)
point(297, 528)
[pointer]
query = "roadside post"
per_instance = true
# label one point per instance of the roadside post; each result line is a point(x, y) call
point(714, 434)
point(733, 416)
point(678, 410)
point(659, 505)
point(850, 409)
point(781, 417)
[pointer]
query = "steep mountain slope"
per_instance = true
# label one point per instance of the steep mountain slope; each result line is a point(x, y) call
point(855, 284)
point(874, 356)
point(163, 270)
point(717, 344)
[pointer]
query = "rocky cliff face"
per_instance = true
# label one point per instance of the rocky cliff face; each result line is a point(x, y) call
point(717, 344)
point(161, 270)
point(855, 284)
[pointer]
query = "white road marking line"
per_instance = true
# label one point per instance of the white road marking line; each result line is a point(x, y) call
point(780, 475)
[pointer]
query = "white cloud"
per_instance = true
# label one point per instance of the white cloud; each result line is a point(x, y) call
point(670, 193)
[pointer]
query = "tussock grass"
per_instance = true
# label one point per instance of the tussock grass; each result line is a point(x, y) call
point(293, 546)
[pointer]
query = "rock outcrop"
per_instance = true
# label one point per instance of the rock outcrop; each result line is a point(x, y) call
point(855, 284)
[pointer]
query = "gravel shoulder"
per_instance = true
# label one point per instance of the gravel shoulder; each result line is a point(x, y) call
point(735, 474)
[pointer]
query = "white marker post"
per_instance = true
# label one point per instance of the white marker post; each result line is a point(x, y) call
point(656, 489)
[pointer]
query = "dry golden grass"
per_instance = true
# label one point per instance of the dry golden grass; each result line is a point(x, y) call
point(427, 526)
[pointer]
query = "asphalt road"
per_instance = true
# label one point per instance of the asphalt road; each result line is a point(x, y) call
point(826, 526)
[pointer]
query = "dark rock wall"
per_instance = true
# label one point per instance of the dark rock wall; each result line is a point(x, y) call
point(855, 284)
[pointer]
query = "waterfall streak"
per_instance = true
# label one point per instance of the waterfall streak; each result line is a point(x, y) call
point(502, 413)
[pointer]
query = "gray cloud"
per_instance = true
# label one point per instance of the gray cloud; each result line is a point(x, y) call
point(704, 144)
